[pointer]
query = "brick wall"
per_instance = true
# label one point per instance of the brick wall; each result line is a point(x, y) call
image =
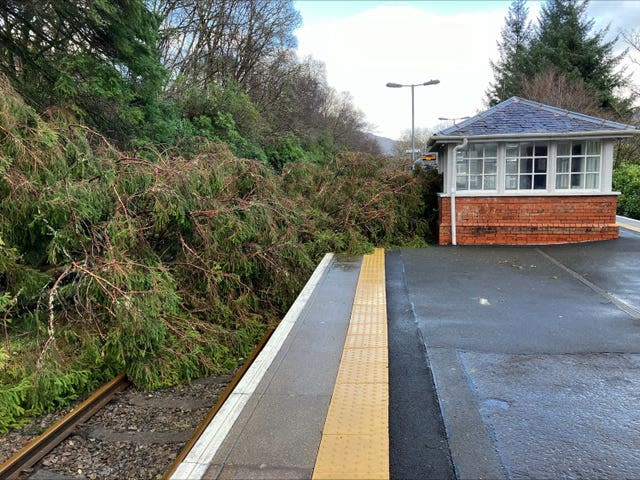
point(529, 220)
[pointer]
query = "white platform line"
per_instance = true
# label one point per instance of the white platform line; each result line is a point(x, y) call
point(198, 459)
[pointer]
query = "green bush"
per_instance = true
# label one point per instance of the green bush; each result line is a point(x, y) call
point(626, 179)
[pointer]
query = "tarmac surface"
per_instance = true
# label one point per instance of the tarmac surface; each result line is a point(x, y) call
point(535, 355)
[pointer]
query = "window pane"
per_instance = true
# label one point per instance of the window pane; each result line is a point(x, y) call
point(462, 167)
point(461, 182)
point(526, 149)
point(491, 150)
point(490, 166)
point(577, 148)
point(593, 164)
point(525, 182)
point(593, 148)
point(564, 148)
point(511, 182)
point(577, 180)
point(577, 165)
point(490, 182)
point(540, 150)
point(592, 180)
point(563, 165)
point(512, 166)
point(475, 182)
point(512, 150)
point(475, 166)
point(540, 182)
point(562, 181)
point(540, 165)
point(526, 165)
point(475, 151)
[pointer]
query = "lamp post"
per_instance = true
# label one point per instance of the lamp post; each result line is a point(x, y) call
point(413, 85)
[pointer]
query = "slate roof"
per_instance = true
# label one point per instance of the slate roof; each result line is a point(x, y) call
point(519, 115)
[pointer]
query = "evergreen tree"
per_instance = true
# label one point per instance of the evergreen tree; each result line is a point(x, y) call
point(98, 58)
point(564, 42)
point(509, 69)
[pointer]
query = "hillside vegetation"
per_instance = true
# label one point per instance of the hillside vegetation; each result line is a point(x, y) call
point(165, 266)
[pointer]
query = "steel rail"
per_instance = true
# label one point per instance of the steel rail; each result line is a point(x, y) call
point(37, 448)
point(221, 399)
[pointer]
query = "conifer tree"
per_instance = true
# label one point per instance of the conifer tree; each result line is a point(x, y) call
point(564, 43)
point(98, 58)
point(509, 69)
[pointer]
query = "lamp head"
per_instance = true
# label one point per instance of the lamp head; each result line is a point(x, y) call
point(393, 85)
point(431, 82)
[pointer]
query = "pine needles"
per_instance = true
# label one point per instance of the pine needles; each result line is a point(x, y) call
point(163, 266)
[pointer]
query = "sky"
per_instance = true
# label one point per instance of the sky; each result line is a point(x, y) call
point(366, 44)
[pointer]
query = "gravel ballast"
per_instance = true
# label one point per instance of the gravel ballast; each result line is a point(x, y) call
point(137, 435)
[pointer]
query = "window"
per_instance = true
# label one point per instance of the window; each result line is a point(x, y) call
point(578, 165)
point(526, 166)
point(476, 167)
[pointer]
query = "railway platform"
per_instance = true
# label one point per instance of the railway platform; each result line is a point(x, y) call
point(314, 403)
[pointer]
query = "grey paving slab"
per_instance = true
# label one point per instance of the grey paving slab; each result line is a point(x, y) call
point(278, 433)
point(511, 300)
point(524, 353)
point(614, 264)
point(284, 432)
point(630, 221)
point(321, 382)
point(575, 416)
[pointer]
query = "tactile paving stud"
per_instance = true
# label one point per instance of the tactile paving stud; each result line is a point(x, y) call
point(355, 439)
point(352, 457)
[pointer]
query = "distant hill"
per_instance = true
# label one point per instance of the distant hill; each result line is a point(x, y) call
point(387, 145)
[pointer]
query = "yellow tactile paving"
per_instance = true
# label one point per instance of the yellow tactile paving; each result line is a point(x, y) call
point(352, 457)
point(366, 341)
point(367, 329)
point(355, 439)
point(358, 409)
point(352, 372)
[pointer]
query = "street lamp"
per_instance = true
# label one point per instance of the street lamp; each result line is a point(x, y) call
point(413, 139)
point(453, 119)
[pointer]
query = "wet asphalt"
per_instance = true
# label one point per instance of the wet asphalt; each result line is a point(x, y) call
point(534, 353)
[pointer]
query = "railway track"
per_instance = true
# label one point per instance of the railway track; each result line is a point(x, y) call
point(77, 427)
point(31, 453)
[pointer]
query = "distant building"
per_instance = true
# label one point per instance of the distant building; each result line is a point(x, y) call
point(525, 173)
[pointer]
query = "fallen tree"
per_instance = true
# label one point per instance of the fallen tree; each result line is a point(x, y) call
point(164, 266)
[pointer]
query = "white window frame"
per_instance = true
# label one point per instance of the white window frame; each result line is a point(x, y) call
point(519, 158)
point(603, 186)
point(585, 156)
point(484, 174)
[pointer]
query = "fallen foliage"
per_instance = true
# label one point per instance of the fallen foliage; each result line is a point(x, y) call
point(163, 266)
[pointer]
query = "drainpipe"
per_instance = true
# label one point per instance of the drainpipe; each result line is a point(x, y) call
point(453, 190)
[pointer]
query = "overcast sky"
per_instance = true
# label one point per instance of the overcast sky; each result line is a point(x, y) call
point(366, 44)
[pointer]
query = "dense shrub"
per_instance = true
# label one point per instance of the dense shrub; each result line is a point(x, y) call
point(168, 268)
point(626, 179)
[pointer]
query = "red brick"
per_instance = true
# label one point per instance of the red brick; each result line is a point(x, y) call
point(529, 220)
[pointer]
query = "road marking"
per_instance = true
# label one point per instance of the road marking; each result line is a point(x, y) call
point(355, 438)
point(630, 310)
point(628, 226)
point(197, 462)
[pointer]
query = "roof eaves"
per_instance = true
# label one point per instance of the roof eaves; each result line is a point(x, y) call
point(436, 139)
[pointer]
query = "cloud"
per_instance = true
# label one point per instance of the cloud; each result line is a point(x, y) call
point(413, 43)
point(406, 44)
point(620, 15)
